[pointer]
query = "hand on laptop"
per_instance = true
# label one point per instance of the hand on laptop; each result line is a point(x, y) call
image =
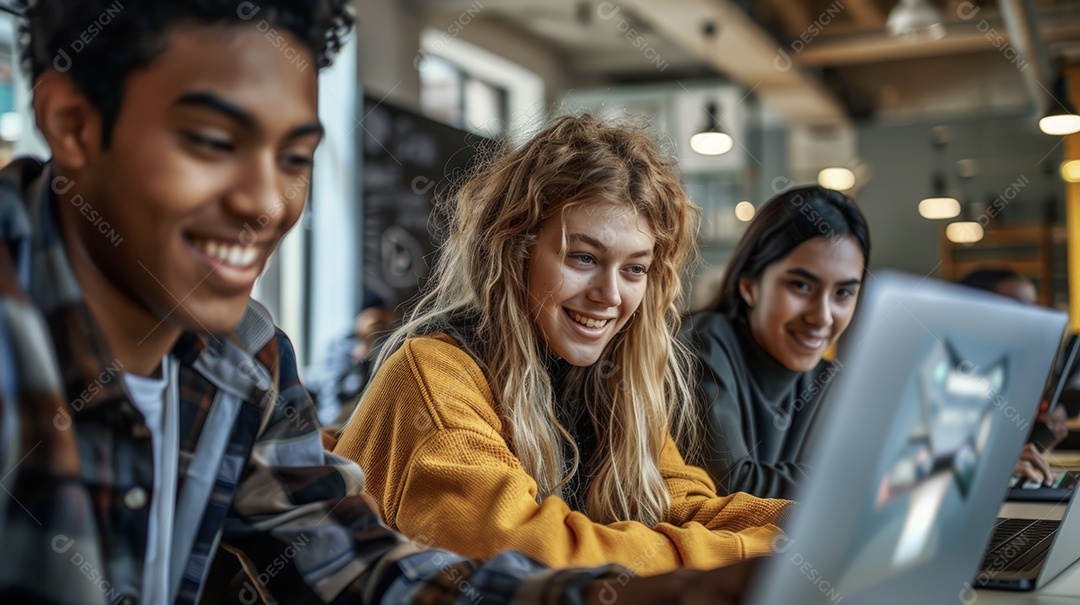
point(1032, 466)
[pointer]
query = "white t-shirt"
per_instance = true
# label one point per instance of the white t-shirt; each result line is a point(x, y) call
point(159, 401)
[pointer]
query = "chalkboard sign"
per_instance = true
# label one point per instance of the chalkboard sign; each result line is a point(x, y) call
point(408, 160)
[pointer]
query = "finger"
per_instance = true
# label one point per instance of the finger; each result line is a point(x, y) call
point(1040, 464)
point(1028, 472)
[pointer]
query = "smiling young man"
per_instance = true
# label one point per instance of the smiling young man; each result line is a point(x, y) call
point(150, 412)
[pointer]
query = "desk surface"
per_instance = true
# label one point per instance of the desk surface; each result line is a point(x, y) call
point(1062, 590)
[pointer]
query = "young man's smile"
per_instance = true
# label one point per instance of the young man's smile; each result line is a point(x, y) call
point(231, 266)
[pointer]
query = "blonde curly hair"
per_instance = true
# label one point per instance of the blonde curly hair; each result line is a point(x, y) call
point(639, 392)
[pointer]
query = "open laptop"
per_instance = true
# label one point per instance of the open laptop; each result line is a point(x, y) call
point(1061, 487)
point(935, 395)
point(1025, 554)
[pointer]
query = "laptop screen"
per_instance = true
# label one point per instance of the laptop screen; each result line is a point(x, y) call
point(914, 446)
point(1064, 368)
point(951, 407)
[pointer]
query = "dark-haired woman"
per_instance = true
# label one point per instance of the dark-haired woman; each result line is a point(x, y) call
point(788, 293)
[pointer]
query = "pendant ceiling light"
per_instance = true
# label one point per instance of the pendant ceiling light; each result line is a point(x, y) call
point(1061, 119)
point(915, 19)
point(712, 139)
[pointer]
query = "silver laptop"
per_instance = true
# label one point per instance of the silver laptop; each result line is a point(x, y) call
point(937, 389)
point(1025, 554)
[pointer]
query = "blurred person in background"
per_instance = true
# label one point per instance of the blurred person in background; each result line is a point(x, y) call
point(1049, 428)
point(347, 367)
point(789, 291)
point(1005, 282)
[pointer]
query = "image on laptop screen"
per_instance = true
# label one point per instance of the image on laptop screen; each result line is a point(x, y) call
point(914, 446)
point(931, 459)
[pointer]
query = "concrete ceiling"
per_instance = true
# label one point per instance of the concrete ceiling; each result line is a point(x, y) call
point(594, 47)
point(843, 62)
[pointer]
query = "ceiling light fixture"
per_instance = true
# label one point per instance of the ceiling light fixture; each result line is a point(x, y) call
point(713, 139)
point(1070, 171)
point(939, 208)
point(745, 211)
point(939, 205)
point(964, 232)
point(837, 178)
point(1061, 119)
point(915, 19)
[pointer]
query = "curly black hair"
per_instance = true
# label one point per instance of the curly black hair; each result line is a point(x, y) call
point(98, 43)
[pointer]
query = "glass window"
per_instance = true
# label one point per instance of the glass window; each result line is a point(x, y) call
point(442, 94)
point(484, 108)
point(453, 96)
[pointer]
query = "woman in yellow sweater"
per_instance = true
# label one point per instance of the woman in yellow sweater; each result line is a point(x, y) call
point(530, 401)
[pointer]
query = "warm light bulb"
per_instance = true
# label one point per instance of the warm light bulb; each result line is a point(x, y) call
point(745, 211)
point(712, 143)
point(839, 179)
point(939, 207)
point(1060, 125)
point(964, 232)
point(1070, 171)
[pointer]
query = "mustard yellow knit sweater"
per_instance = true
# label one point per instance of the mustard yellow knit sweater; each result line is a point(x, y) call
point(437, 462)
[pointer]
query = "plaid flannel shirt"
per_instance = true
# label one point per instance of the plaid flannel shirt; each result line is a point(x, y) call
point(76, 464)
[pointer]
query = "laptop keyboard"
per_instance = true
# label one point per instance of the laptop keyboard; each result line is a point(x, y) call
point(1013, 539)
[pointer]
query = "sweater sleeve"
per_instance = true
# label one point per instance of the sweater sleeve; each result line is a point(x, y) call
point(694, 499)
point(443, 472)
